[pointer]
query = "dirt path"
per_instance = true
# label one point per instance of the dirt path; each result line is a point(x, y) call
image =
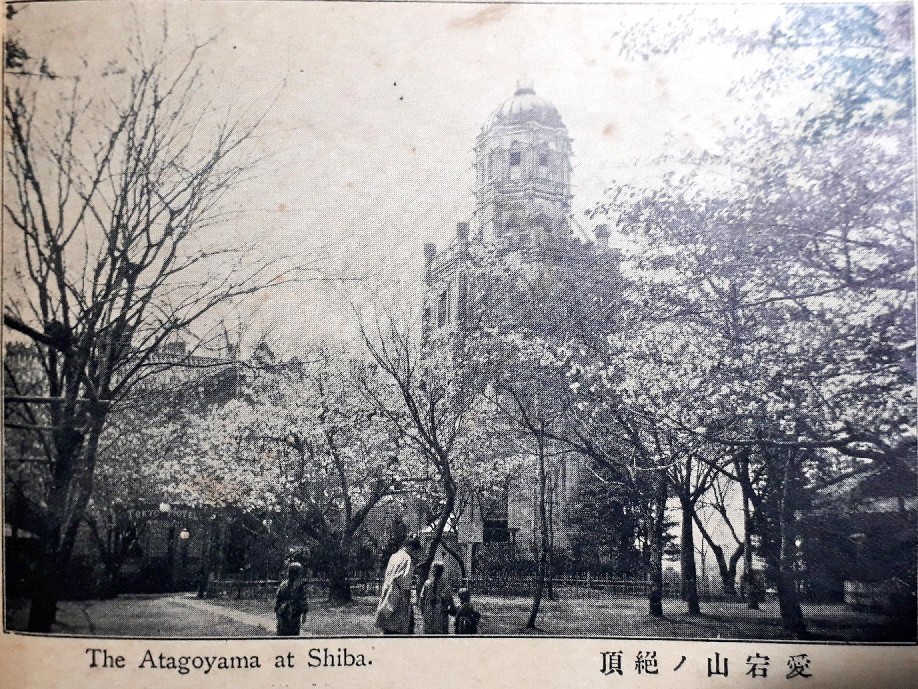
point(266, 622)
point(177, 615)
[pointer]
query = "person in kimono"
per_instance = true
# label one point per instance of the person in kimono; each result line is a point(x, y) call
point(395, 614)
point(436, 601)
point(291, 604)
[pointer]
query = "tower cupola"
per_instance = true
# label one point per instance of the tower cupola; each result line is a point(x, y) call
point(523, 172)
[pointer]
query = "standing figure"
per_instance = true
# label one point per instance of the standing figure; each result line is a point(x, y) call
point(466, 616)
point(291, 604)
point(395, 615)
point(436, 602)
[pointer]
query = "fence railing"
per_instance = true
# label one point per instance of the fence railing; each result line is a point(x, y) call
point(242, 588)
point(568, 586)
point(561, 586)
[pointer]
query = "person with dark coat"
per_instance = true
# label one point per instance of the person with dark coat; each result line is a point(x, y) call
point(291, 605)
point(436, 602)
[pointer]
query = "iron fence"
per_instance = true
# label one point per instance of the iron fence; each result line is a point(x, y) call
point(559, 587)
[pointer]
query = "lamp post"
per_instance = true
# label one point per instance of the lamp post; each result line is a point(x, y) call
point(166, 510)
point(209, 555)
point(184, 536)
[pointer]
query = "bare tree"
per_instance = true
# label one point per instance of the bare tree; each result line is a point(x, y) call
point(111, 200)
point(535, 416)
point(431, 402)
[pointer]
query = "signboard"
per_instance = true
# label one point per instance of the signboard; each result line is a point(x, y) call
point(147, 513)
point(469, 526)
point(520, 509)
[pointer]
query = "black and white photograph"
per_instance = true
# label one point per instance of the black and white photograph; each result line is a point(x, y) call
point(358, 319)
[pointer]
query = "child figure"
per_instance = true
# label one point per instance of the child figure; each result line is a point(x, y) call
point(466, 616)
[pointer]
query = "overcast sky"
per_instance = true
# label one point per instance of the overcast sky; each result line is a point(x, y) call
point(375, 109)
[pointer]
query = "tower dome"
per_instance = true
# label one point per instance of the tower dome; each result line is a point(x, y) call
point(525, 105)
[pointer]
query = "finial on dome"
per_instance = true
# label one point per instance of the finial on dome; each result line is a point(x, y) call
point(524, 85)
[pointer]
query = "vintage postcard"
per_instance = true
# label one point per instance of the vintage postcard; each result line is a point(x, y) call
point(458, 344)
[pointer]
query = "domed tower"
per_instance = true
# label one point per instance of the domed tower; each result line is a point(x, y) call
point(523, 172)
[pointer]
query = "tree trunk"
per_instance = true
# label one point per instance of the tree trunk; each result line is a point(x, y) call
point(729, 576)
point(423, 569)
point(545, 542)
point(687, 557)
point(788, 599)
point(337, 547)
point(210, 557)
point(727, 570)
point(463, 574)
point(108, 588)
point(550, 531)
point(655, 592)
point(67, 500)
point(537, 594)
point(339, 586)
point(46, 593)
point(752, 588)
point(112, 553)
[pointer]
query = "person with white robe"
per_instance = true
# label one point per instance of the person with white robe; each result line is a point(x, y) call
point(395, 613)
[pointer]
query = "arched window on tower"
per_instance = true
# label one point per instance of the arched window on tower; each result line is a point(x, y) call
point(516, 160)
point(443, 308)
point(545, 165)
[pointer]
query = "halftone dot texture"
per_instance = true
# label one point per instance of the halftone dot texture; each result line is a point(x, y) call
point(366, 154)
